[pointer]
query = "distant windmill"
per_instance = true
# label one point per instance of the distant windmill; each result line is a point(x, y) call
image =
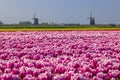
point(92, 19)
point(36, 20)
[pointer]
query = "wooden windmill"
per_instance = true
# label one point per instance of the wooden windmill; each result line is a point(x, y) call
point(36, 20)
point(92, 19)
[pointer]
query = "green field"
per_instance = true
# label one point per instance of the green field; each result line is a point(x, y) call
point(55, 27)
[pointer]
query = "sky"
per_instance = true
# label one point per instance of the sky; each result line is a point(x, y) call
point(60, 11)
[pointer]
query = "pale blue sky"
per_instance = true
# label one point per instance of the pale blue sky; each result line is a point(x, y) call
point(60, 11)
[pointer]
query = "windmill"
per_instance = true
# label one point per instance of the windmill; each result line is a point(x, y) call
point(36, 22)
point(92, 19)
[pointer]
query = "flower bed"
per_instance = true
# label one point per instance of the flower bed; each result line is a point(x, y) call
point(60, 55)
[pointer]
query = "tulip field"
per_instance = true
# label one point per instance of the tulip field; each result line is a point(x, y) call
point(60, 55)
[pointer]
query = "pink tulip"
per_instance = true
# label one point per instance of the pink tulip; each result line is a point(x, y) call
point(60, 69)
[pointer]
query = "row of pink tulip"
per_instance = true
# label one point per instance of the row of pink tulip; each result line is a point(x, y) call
point(60, 55)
